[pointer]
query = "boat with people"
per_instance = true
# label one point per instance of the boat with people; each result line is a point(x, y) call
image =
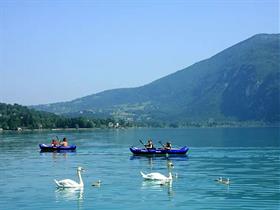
point(59, 148)
point(159, 151)
point(150, 149)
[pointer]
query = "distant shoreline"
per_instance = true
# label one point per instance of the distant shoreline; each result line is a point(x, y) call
point(135, 127)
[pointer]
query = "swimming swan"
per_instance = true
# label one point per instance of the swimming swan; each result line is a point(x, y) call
point(68, 183)
point(170, 164)
point(96, 184)
point(223, 181)
point(156, 176)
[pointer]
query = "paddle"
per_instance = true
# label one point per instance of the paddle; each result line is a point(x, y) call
point(58, 144)
point(161, 143)
point(142, 142)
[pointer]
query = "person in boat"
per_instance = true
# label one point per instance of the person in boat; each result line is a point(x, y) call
point(149, 144)
point(54, 143)
point(167, 146)
point(64, 142)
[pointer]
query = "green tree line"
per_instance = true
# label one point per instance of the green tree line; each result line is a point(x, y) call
point(16, 116)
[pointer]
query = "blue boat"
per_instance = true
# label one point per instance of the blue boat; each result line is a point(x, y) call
point(160, 151)
point(50, 148)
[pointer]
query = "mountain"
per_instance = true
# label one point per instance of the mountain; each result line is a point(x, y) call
point(241, 83)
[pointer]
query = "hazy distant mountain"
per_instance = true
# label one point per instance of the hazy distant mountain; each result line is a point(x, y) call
point(240, 83)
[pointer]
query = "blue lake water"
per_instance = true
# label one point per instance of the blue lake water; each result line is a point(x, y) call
point(248, 156)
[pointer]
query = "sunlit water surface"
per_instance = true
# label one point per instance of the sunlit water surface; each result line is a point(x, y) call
point(248, 156)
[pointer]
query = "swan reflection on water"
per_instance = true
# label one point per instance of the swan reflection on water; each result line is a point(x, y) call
point(69, 194)
point(158, 185)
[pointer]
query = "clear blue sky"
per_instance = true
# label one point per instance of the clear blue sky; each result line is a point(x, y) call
point(53, 51)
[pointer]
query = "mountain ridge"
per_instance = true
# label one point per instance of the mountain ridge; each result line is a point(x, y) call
point(247, 72)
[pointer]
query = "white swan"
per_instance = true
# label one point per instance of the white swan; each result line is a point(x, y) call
point(157, 176)
point(68, 183)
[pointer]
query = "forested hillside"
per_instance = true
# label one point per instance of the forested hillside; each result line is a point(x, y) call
point(14, 117)
point(239, 84)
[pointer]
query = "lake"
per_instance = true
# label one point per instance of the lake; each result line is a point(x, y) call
point(248, 156)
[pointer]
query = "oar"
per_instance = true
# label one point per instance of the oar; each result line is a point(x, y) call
point(58, 141)
point(142, 142)
point(161, 143)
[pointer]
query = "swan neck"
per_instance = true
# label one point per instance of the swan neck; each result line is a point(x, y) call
point(80, 178)
point(170, 175)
